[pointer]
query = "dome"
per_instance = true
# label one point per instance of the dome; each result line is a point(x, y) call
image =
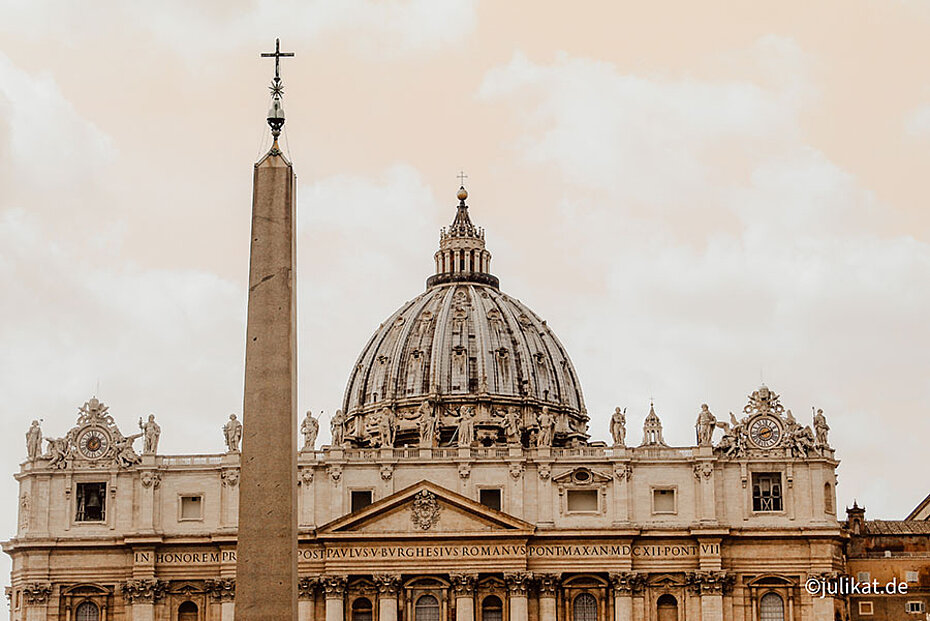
point(463, 359)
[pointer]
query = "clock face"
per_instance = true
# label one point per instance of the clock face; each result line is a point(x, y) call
point(765, 432)
point(93, 443)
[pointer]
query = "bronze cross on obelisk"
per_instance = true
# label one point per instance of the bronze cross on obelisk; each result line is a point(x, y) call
point(277, 55)
point(462, 177)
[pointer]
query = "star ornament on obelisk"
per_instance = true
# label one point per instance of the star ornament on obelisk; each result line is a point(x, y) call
point(266, 558)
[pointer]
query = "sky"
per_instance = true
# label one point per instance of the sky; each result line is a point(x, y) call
point(697, 197)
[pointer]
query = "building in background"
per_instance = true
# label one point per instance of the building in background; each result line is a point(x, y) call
point(461, 484)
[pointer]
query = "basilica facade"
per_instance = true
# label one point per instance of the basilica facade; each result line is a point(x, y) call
point(461, 484)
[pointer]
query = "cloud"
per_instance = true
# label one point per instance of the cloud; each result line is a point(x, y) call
point(917, 124)
point(377, 30)
point(729, 248)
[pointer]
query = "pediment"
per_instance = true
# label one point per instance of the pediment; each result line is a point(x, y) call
point(425, 508)
point(581, 477)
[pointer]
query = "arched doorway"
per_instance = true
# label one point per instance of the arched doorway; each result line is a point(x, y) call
point(667, 608)
point(771, 607)
point(361, 609)
point(87, 611)
point(426, 609)
point(187, 611)
point(584, 608)
point(492, 609)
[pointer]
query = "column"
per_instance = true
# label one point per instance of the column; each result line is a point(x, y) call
point(622, 584)
point(710, 585)
point(463, 589)
point(548, 590)
point(516, 587)
point(334, 588)
point(306, 598)
point(223, 591)
point(388, 587)
point(35, 598)
point(142, 595)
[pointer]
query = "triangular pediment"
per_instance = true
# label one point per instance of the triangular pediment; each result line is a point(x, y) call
point(425, 508)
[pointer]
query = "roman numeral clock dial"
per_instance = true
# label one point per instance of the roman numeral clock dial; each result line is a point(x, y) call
point(765, 432)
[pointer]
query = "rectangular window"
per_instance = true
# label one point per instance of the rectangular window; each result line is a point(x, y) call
point(911, 577)
point(766, 491)
point(663, 501)
point(490, 498)
point(361, 498)
point(913, 607)
point(864, 576)
point(91, 502)
point(865, 608)
point(191, 507)
point(582, 500)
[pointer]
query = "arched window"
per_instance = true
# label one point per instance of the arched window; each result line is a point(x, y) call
point(667, 608)
point(828, 498)
point(585, 608)
point(426, 609)
point(187, 611)
point(361, 609)
point(87, 611)
point(771, 608)
point(492, 609)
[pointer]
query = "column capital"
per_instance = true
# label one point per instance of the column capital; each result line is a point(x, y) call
point(627, 582)
point(307, 586)
point(710, 582)
point(334, 586)
point(37, 592)
point(463, 585)
point(221, 589)
point(388, 584)
point(548, 584)
point(148, 590)
point(517, 582)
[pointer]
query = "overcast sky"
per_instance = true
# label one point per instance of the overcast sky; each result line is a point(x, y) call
point(695, 196)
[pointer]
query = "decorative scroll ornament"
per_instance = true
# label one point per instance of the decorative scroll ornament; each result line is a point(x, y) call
point(424, 512)
point(151, 478)
point(307, 587)
point(306, 476)
point(221, 589)
point(230, 477)
point(710, 582)
point(387, 471)
point(464, 471)
point(703, 470)
point(37, 592)
point(763, 401)
point(623, 472)
point(626, 582)
point(388, 584)
point(149, 590)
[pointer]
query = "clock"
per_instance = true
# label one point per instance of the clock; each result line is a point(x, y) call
point(765, 432)
point(93, 443)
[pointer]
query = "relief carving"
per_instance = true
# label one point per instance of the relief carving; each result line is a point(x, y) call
point(148, 590)
point(221, 589)
point(424, 512)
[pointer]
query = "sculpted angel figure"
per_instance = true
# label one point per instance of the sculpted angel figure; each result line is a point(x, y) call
point(618, 427)
point(337, 428)
point(232, 433)
point(34, 441)
point(706, 422)
point(546, 424)
point(150, 432)
point(123, 451)
point(58, 452)
point(821, 428)
point(310, 427)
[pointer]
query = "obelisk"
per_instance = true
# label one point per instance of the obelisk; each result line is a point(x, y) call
point(266, 556)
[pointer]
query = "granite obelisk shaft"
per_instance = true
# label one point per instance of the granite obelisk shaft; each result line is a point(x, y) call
point(266, 559)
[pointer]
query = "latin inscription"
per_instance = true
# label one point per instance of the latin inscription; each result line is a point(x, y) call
point(448, 552)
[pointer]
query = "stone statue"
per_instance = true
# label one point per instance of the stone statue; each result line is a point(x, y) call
point(820, 428)
point(706, 422)
point(232, 433)
point(386, 426)
point(150, 432)
point(546, 424)
point(336, 427)
point(466, 430)
point(123, 452)
point(427, 426)
point(59, 450)
point(310, 427)
point(618, 427)
point(512, 426)
point(34, 441)
point(802, 442)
